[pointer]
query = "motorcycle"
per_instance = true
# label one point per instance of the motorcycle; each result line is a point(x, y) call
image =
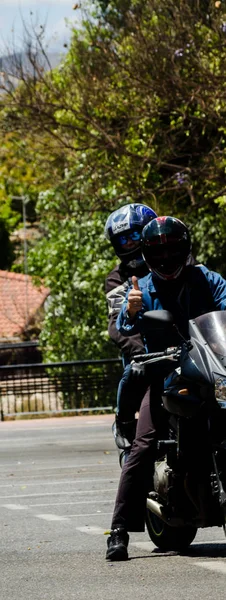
point(190, 470)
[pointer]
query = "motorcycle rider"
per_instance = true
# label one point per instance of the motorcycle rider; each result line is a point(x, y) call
point(123, 229)
point(187, 291)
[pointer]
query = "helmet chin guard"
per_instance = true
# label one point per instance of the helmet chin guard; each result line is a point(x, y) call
point(169, 276)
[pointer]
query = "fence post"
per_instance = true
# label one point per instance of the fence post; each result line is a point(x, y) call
point(1, 411)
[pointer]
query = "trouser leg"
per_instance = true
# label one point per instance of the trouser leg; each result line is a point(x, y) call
point(128, 433)
point(137, 473)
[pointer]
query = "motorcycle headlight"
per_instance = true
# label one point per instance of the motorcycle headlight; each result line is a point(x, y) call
point(220, 389)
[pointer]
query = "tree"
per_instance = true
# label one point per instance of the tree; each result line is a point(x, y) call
point(143, 100)
point(24, 172)
point(72, 258)
point(136, 111)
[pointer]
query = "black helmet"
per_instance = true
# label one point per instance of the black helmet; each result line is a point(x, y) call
point(166, 246)
point(125, 225)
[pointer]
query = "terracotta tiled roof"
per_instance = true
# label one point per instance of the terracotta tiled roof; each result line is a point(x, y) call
point(20, 299)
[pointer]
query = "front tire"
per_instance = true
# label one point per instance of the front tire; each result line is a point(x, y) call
point(166, 537)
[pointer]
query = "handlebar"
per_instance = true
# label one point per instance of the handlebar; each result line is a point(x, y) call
point(173, 351)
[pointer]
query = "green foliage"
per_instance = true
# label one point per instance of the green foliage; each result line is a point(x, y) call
point(143, 100)
point(208, 233)
point(73, 257)
point(135, 112)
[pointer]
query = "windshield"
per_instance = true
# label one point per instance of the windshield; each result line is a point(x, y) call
point(213, 328)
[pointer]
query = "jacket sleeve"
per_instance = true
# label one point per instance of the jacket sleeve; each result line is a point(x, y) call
point(125, 325)
point(116, 290)
point(218, 288)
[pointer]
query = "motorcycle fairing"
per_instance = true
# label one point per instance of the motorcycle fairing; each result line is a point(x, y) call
point(210, 329)
point(198, 366)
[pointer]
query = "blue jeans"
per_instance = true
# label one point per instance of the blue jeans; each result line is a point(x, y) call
point(131, 390)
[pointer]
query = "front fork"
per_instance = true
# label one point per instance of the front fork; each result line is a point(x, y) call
point(219, 490)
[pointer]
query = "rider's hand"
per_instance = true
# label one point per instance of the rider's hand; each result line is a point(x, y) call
point(134, 303)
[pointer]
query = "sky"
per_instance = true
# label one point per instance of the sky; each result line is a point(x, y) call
point(50, 13)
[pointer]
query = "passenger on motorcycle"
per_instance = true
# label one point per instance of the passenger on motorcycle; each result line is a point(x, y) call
point(187, 291)
point(123, 229)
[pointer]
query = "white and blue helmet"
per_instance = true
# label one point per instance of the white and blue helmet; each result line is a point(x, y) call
point(128, 222)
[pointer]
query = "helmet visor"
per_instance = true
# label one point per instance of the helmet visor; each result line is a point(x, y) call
point(166, 259)
point(127, 242)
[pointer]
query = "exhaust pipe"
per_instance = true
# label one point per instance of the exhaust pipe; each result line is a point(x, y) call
point(158, 510)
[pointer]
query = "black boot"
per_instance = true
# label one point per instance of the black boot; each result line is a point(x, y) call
point(117, 545)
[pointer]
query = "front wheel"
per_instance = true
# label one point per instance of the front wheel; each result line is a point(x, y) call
point(166, 537)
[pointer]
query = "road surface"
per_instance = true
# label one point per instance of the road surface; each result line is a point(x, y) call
point(58, 483)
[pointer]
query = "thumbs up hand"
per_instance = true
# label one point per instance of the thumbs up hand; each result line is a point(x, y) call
point(134, 303)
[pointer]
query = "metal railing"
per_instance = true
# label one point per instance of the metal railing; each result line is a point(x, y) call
point(63, 387)
point(20, 353)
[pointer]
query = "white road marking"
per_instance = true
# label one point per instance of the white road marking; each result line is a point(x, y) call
point(64, 482)
point(49, 517)
point(95, 423)
point(91, 530)
point(41, 440)
point(94, 492)
point(56, 504)
point(91, 514)
point(72, 503)
point(15, 506)
point(66, 427)
point(213, 565)
point(59, 467)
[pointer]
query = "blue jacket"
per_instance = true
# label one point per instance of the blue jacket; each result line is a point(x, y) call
point(199, 292)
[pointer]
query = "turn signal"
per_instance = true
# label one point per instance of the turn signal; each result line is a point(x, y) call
point(183, 392)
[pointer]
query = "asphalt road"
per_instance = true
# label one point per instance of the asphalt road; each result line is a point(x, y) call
point(57, 488)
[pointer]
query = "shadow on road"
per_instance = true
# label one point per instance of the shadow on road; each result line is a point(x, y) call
point(205, 549)
point(208, 550)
